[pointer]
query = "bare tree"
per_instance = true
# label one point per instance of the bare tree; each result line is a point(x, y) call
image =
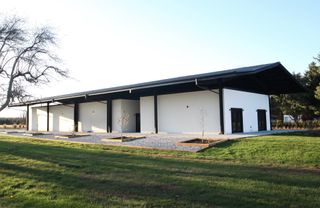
point(203, 114)
point(123, 121)
point(26, 59)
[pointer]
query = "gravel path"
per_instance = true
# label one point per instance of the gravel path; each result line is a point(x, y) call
point(150, 141)
point(156, 141)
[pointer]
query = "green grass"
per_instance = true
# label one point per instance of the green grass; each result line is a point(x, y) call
point(296, 150)
point(270, 171)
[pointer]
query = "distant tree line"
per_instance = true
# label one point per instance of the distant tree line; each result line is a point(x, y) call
point(301, 106)
point(12, 121)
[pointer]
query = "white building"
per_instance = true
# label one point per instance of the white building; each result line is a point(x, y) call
point(229, 101)
point(288, 119)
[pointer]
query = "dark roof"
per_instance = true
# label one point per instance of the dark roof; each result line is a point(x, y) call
point(268, 79)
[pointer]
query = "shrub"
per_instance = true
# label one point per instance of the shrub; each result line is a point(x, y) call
point(310, 124)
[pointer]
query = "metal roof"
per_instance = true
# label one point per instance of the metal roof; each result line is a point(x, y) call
point(271, 78)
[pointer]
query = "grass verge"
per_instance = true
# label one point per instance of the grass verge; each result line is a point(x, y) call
point(270, 171)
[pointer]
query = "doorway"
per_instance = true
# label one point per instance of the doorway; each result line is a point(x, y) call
point(137, 122)
point(236, 120)
point(262, 120)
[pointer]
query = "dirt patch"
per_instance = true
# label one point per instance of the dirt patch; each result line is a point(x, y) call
point(197, 142)
point(34, 134)
point(121, 139)
point(12, 126)
point(69, 136)
point(8, 132)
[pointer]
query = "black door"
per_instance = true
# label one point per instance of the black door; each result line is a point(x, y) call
point(262, 120)
point(137, 122)
point(236, 120)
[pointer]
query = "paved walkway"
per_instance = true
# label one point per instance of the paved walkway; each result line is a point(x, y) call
point(155, 141)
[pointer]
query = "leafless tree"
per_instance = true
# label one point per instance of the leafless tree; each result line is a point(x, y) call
point(123, 121)
point(203, 114)
point(26, 59)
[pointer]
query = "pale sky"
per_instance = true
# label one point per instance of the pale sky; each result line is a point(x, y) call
point(107, 43)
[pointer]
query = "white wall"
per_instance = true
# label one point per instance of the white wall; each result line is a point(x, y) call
point(116, 114)
point(93, 117)
point(249, 102)
point(30, 121)
point(39, 119)
point(288, 119)
point(33, 123)
point(147, 114)
point(121, 106)
point(131, 107)
point(181, 113)
point(61, 118)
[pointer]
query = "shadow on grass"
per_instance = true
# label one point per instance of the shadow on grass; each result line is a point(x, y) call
point(155, 181)
point(225, 144)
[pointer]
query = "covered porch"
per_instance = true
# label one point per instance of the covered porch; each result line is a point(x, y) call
point(103, 105)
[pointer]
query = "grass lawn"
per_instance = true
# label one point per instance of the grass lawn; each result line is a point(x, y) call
point(269, 171)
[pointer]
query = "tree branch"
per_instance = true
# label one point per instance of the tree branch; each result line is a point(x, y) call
point(25, 57)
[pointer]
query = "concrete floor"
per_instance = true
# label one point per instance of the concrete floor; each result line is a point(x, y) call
point(153, 141)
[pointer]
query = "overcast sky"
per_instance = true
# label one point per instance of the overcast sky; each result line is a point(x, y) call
point(110, 43)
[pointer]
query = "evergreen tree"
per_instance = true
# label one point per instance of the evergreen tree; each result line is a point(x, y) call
point(306, 105)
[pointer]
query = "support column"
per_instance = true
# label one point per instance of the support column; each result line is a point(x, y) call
point(155, 101)
point(221, 110)
point(27, 118)
point(109, 115)
point(270, 112)
point(76, 117)
point(48, 116)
